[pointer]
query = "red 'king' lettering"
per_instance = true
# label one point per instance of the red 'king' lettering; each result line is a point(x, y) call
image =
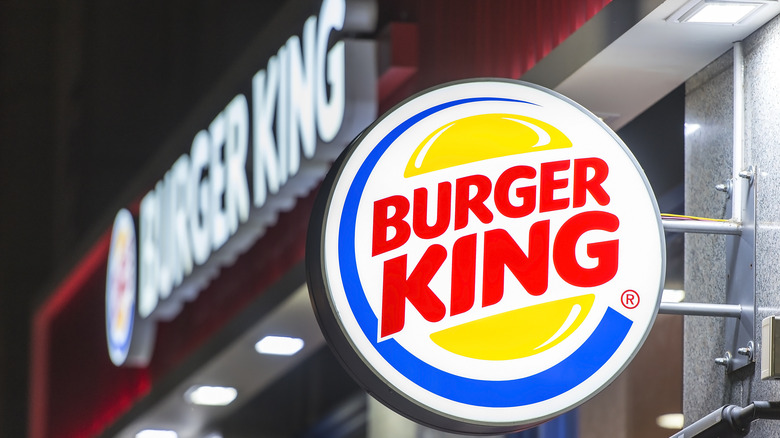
point(501, 251)
point(530, 270)
point(464, 274)
point(397, 288)
point(606, 253)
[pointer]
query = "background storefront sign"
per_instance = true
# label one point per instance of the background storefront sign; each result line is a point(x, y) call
point(486, 256)
point(254, 158)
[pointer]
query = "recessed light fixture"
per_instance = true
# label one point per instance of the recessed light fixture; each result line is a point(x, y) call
point(729, 12)
point(671, 421)
point(279, 345)
point(211, 395)
point(156, 433)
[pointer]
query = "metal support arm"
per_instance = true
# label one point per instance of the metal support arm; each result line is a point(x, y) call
point(700, 226)
point(731, 421)
point(701, 309)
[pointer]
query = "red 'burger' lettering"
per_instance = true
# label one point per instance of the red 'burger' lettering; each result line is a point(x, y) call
point(527, 194)
point(464, 202)
point(593, 186)
point(383, 222)
point(548, 184)
point(420, 212)
point(471, 196)
point(517, 193)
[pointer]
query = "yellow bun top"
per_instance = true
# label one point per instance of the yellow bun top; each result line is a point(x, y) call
point(481, 137)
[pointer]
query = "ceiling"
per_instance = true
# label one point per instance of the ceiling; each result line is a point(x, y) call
point(627, 73)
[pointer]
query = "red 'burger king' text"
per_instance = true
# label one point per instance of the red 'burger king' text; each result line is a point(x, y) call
point(562, 185)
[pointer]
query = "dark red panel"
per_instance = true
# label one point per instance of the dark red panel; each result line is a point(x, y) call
point(497, 38)
point(78, 392)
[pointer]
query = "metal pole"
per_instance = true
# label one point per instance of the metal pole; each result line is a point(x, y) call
point(701, 309)
point(737, 163)
point(731, 421)
point(699, 226)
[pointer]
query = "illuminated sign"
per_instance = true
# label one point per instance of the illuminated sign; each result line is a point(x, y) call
point(120, 287)
point(486, 256)
point(251, 161)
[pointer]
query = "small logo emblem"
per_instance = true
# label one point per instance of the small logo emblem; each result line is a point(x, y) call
point(121, 287)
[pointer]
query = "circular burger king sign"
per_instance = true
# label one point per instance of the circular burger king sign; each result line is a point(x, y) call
point(486, 256)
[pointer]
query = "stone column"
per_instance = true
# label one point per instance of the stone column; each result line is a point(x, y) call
point(708, 161)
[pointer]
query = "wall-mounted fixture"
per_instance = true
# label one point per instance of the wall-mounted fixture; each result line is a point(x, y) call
point(726, 12)
point(279, 345)
point(156, 433)
point(740, 233)
point(211, 395)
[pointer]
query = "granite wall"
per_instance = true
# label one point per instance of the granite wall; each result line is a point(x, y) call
point(708, 161)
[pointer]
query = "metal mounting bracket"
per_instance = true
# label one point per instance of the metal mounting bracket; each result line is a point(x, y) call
point(741, 270)
point(740, 307)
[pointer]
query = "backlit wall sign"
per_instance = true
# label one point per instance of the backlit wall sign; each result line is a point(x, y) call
point(486, 256)
point(294, 122)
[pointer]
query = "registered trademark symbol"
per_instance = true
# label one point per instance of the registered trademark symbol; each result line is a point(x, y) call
point(629, 299)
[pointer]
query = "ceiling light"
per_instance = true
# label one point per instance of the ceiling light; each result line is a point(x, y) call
point(211, 395)
point(279, 345)
point(670, 421)
point(156, 433)
point(716, 11)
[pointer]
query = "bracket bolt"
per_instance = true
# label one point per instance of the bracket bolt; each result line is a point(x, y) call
point(748, 173)
point(724, 187)
point(724, 361)
point(747, 351)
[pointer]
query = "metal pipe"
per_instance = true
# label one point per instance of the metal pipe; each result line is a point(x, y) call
point(766, 410)
point(731, 421)
point(697, 226)
point(701, 309)
point(721, 423)
point(737, 162)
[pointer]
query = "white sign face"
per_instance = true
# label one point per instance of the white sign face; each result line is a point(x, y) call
point(490, 255)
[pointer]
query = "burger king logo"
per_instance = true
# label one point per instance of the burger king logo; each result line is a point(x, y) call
point(121, 287)
point(486, 256)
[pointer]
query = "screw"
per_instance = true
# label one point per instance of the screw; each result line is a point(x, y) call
point(724, 187)
point(724, 361)
point(747, 351)
point(748, 173)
